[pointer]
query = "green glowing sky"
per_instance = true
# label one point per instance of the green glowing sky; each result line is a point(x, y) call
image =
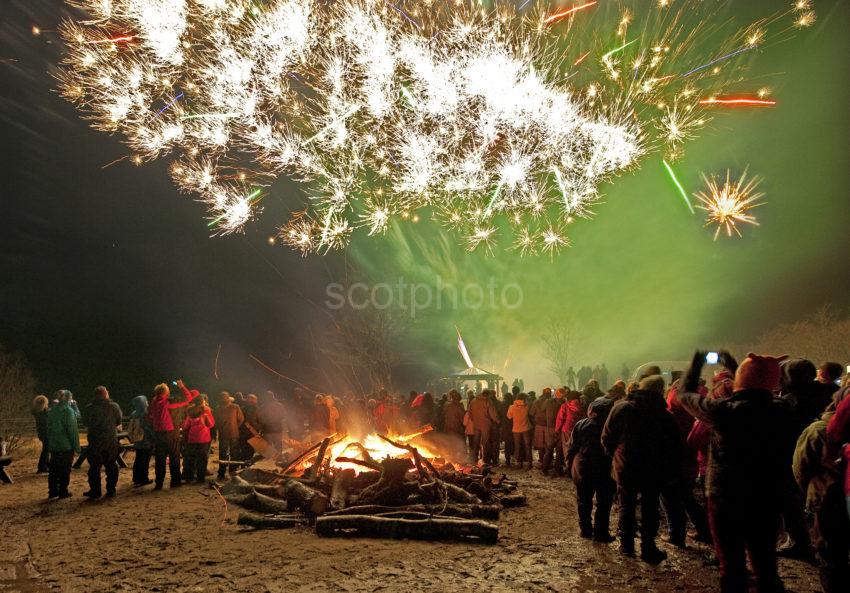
point(644, 279)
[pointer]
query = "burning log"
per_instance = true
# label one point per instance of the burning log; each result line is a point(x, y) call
point(370, 463)
point(472, 511)
point(299, 495)
point(442, 502)
point(290, 464)
point(392, 486)
point(417, 458)
point(270, 522)
point(341, 485)
point(320, 459)
point(424, 529)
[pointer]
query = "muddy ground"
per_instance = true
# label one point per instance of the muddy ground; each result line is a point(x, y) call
point(179, 541)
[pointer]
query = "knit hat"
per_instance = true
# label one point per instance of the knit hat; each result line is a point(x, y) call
point(799, 372)
point(600, 408)
point(651, 370)
point(652, 383)
point(560, 393)
point(758, 372)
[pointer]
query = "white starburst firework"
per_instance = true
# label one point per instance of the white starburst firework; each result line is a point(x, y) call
point(476, 114)
point(728, 203)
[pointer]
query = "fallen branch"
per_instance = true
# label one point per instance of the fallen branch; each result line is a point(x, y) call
point(513, 500)
point(242, 487)
point(431, 528)
point(270, 522)
point(309, 500)
point(259, 502)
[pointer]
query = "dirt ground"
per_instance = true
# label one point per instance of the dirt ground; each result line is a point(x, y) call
point(178, 541)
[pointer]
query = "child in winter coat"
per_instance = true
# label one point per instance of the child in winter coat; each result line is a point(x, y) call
point(590, 468)
point(196, 430)
point(142, 435)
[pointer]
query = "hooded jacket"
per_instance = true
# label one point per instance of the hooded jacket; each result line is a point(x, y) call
point(806, 398)
point(643, 439)
point(518, 415)
point(569, 415)
point(139, 414)
point(62, 434)
point(751, 442)
point(196, 427)
point(815, 469)
point(482, 413)
point(102, 418)
point(586, 457)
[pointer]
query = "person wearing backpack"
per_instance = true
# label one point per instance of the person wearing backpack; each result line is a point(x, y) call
point(140, 433)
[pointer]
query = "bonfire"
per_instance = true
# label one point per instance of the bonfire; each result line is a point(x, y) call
point(379, 485)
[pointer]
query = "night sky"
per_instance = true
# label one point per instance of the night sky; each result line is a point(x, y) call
point(109, 276)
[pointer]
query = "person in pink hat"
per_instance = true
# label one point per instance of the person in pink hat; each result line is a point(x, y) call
point(749, 456)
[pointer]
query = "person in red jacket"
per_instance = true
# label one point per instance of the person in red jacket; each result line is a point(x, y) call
point(196, 430)
point(568, 416)
point(167, 436)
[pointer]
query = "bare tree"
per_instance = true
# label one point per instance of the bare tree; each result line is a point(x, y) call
point(825, 336)
point(366, 342)
point(557, 348)
point(17, 387)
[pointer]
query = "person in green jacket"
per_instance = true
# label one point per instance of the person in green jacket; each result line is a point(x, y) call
point(63, 441)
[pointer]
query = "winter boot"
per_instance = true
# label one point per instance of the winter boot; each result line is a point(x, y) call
point(652, 555)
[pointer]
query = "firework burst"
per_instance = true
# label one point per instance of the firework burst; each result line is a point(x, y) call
point(728, 202)
point(485, 117)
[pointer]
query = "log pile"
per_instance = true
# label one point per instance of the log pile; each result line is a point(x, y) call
point(405, 497)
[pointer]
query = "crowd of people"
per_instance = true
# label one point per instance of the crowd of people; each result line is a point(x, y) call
point(762, 450)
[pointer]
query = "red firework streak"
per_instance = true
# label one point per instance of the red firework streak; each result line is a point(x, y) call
point(581, 59)
point(558, 16)
point(739, 101)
